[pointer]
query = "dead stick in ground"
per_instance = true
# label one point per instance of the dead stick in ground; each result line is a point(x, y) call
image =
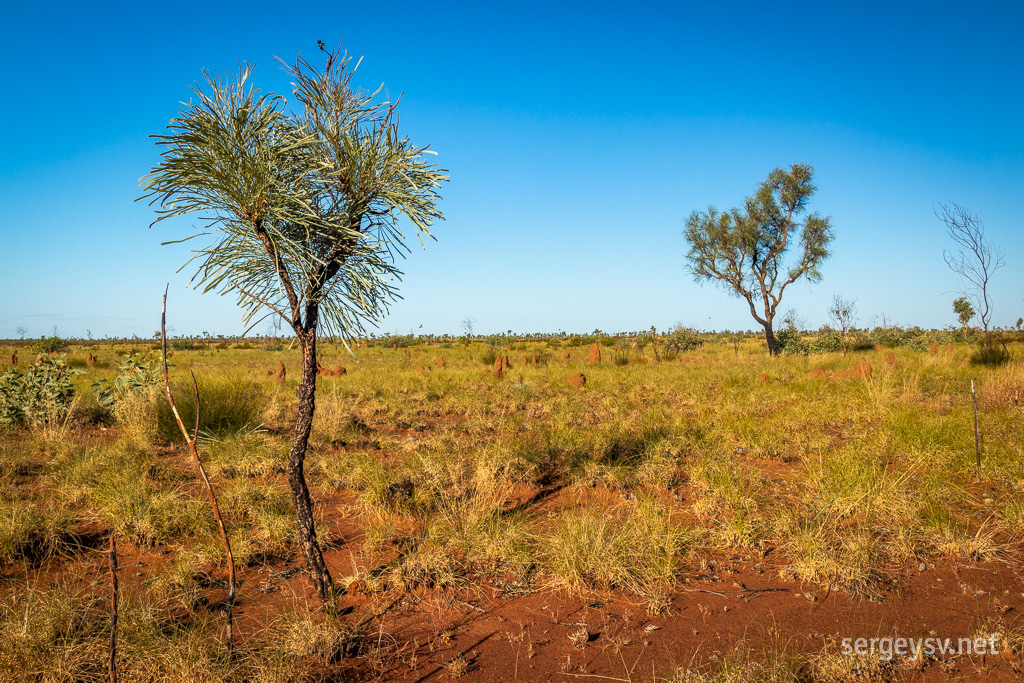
point(977, 443)
point(112, 558)
point(190, 441)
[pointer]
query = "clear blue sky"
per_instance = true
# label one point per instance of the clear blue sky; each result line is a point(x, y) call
point(578, 136)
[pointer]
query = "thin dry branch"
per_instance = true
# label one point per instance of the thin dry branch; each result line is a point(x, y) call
point(190, 441)
point(112, 560)
point(272, 307)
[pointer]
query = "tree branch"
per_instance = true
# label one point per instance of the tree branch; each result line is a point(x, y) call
point(275, 309)
point(282, 274)
point(191, 443)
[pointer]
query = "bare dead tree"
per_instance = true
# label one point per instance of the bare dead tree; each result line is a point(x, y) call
point(190, 441)
point(974, 259)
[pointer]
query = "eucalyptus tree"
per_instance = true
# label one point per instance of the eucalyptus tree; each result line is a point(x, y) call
point(744, 248)
point(303, 210)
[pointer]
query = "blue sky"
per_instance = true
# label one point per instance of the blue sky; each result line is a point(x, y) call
point(578, 137)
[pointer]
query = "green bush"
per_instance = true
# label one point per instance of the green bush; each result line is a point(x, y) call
point(858, 340)
point(827, 341)
point(682, 339)
point(51, 345)
point(790, 342)
point(401, 341)
point(890, 337)
point(132, 375)
point(183, 345)
point(911, 337)
point(43, 394)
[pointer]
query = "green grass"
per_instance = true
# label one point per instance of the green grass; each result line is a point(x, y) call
point(449, 475)
point(228, 405)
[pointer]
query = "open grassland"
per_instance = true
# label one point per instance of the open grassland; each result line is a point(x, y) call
point(722, 516)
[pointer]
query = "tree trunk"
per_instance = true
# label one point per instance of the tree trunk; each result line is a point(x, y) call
point(769, 335)
point(296, 473)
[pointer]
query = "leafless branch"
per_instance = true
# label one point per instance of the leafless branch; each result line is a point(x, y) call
point(112, 560)
point(275, 309)
point(191, 443)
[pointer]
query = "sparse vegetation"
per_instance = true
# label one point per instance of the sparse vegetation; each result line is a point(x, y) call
point(436, 483)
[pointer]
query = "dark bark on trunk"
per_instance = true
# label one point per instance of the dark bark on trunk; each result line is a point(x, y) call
point(769, 335)
point(296, 470)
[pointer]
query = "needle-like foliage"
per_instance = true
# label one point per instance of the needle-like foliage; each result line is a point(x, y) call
point(302, 210)
point(304, 207)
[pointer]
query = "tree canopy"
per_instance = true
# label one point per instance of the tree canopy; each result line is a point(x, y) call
point(744, 248)
point(303, 206)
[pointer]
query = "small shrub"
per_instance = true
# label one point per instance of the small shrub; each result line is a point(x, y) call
point(859, 341)
point(228, 406)
point(132, 375)
point(51, 345)
point(183, 345)
point(682, 339)
point(990, 354)
point(889, 337)
point(490, 355)
point(827, 341)
point(42, 395)
point(790, 342)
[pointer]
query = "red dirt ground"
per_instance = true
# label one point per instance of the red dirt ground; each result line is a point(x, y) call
point(506, 631)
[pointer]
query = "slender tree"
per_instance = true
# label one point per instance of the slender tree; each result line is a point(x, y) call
point(974, 260)
point(744, 248)
point(304, 208)
point(964, 312)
